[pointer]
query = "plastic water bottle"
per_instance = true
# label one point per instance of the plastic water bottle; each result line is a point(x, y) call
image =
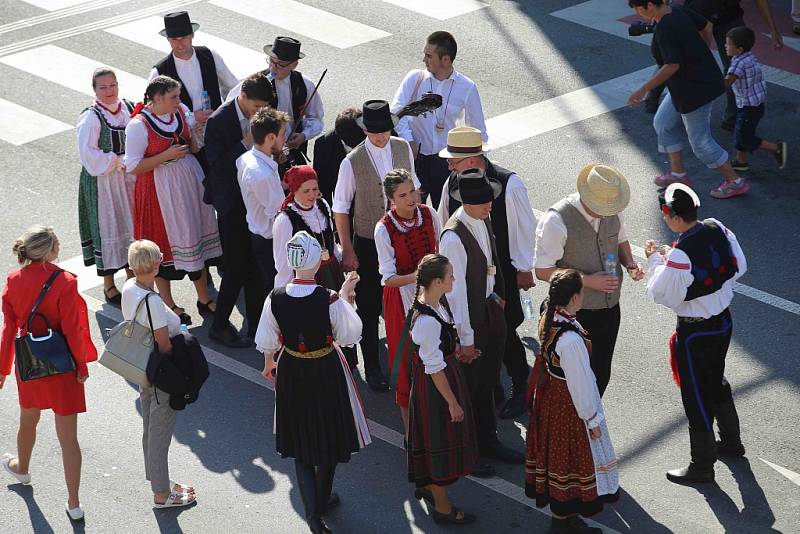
point(527, 304)
point(184, 328)
point(611, 264)
point(206, 100)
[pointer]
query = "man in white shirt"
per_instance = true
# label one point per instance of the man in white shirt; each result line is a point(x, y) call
point(295, 96)
point(461, 106)
point(257, 172)
point(477, 305)
point(199, 69)
point(513, 223)
point(359, 190)
point(695, 278)
point(585, 231)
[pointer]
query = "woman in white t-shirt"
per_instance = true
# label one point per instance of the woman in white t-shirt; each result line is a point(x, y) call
point(144, 259)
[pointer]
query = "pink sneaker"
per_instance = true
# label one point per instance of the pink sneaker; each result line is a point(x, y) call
point(669, 178)
point(730, 189)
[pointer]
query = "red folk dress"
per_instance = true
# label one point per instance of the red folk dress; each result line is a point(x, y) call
point(411, 241)
point(66, 311)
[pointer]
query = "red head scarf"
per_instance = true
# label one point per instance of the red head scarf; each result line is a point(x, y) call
point(294, 178)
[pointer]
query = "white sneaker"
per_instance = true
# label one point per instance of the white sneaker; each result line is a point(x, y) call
point(75, 514)
point(22, 479)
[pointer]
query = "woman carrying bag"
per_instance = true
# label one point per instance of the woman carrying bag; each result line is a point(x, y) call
point(61, 312)
point(158, 418)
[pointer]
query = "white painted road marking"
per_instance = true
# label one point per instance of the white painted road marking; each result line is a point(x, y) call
point(791, 475)
point(20, 125)
point(71, 70)
point(377, 430)
point(585, 103)
point(439, 9)
point(58, 14)
point(54, 5)
point(305, 20)
point(241, 60)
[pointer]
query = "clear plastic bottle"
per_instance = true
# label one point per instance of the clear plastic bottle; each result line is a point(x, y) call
point(527, 304)
point(611, 264)
point(184, 328)
point(206, 100)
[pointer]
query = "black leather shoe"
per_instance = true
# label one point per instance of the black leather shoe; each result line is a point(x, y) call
point(483, 470)
point(505, 454)
point(317, 526)
point(229, 337)
point(571, 525)
point(691, 475)
point(376, 381)
point(515, 406)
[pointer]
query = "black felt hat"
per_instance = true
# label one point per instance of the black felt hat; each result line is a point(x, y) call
point(376, 117)
point(284, 49)
point(474, 187)
point(178, 24)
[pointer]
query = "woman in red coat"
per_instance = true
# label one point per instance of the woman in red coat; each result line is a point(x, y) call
point(65, 311)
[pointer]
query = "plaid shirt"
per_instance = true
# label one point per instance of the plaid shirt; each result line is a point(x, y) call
point(749, 88)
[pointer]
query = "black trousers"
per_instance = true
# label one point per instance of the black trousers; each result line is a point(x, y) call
point(240, 271)
point(700, 350)
point(369, 299)
point(484, 372)
point(514, 358)
point(262, 250)
point(432, 172)
point(603, 327)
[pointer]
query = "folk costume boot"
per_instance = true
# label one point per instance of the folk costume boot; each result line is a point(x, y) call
point(730, 440)
point(307, 484)
point(704, 454)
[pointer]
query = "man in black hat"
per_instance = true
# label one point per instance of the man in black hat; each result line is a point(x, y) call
point(228, 136)
point(513, 223)
point(359, 188)
point(203, 74)
point(477, 303)
point(695, 279)
point(294, 96)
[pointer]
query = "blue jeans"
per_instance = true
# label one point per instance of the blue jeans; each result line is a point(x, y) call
point(672, 128)
point(744, 133)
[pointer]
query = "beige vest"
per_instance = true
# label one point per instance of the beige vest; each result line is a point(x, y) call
point(586, 251)
point(369, 204)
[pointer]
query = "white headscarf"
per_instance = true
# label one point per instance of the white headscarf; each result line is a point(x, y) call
point(303, 251)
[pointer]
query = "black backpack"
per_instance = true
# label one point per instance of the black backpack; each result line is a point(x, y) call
point(181, 373)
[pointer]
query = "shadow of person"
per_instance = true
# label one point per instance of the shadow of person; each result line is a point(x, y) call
point(39, 522)
point(756, 514)
point(627, 515)
point(167, 518)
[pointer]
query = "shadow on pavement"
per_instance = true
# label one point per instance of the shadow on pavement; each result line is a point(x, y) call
point(167, 519)
point(39, 522)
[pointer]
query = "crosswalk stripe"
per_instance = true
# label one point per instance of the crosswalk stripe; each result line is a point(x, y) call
point(585, 103)
point(241, 60)
point(305, 20)
point(54, 5)
point(439, 9)
point(58, 14)
point(71, 70)
point(20, 125)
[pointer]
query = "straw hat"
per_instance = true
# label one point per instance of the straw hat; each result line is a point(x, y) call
point(603, 189)
point(463, 142)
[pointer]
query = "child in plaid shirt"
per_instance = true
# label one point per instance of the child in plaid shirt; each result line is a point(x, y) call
point(750, 90)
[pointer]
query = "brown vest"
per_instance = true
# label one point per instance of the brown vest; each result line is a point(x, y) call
point(369, 204)
point(586, 251)
point(476, 272)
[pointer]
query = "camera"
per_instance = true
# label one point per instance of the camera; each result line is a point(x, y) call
point(638, 29)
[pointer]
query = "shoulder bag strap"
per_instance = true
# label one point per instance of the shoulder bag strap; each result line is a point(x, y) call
point(40, 298)
point(150, 319)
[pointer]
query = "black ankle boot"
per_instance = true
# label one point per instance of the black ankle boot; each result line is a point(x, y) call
point(730, 442)
point(701, 468)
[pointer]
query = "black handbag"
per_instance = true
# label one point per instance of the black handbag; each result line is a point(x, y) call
point(48, 355)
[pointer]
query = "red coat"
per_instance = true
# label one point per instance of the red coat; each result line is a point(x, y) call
point(66, 311)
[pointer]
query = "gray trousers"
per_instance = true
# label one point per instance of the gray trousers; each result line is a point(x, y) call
point(159, 423)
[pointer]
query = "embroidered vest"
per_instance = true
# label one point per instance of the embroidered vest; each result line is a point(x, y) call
point(411, 244)
point(112, 138)
point(448, 338)
point(713, 262)
point(551, 358)
point(325, 238)
point(304, 322)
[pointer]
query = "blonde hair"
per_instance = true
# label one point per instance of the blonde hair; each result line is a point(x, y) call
point(144, 256)
point(35, 244)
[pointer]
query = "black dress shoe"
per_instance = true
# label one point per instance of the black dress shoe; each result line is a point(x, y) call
point(483, 470)
point(317, 526)
point(205, 309)
point(376, 381)
point(505, 454)
point(515, 406)
point(229, 337)
point(690, 475)
point(571, 525)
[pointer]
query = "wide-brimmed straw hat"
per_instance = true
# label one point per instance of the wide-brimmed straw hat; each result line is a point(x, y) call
point(603, 189)
point(463, 142)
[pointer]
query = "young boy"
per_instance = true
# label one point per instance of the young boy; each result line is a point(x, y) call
point(750, 90)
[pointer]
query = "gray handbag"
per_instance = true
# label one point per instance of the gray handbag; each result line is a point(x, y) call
point(129, 347)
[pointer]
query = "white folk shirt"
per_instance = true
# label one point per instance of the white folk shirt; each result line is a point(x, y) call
point(345, 190)
point(94, 160)
point(426, 333)
point(669, 278)
point(519, 216)
point(451, 247)
point(261, 190)
point(345, 323)
point(136, 134)
point(313, 115)
point(551, 234)
point(461, 106)
point(189, 72)
point(387, 265)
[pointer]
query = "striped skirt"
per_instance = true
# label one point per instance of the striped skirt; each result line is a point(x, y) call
point(439, 451)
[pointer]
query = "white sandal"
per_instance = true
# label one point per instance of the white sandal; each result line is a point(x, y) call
point(172, 485)
point(75, 514)
point(22, 479)
point(176, 500)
